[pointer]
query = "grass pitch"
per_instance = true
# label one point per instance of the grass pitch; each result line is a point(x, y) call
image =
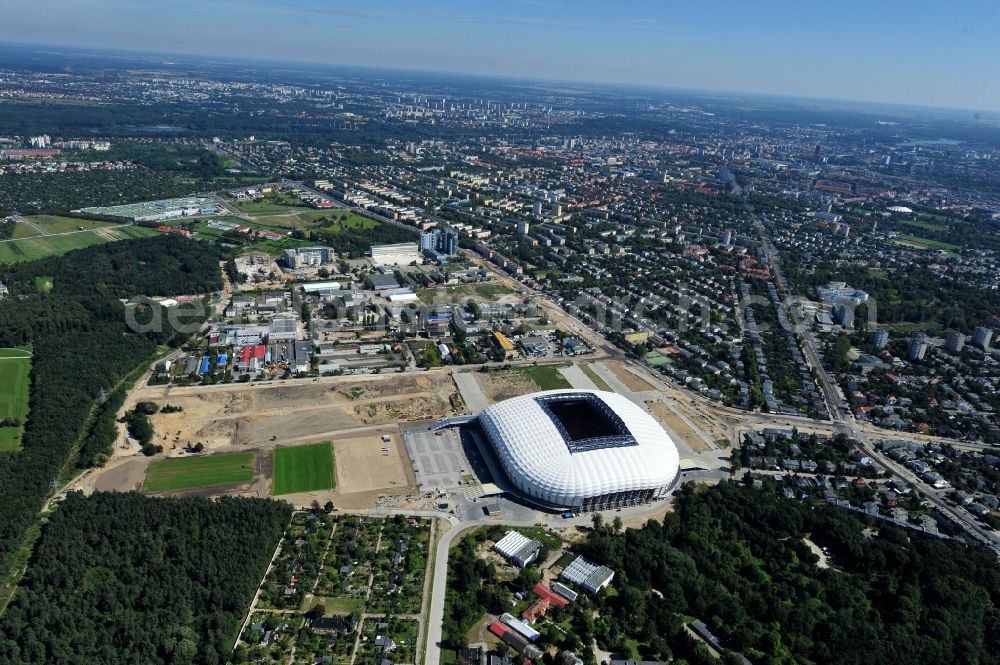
point(38, 247)
point(547, 377)
point(15, 371)
point(303, 469)
point(180, 473)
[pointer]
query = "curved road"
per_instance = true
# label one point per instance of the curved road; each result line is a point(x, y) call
point(435, 616)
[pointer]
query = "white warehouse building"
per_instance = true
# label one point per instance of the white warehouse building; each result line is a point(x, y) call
point(400, 254)
point(581, 450)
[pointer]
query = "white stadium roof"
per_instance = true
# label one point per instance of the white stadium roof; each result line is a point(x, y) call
point(581, 449)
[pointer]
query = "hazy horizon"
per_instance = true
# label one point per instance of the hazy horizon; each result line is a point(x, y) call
point(910, 54)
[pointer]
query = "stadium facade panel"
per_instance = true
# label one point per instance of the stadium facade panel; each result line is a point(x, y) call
point(581, 450)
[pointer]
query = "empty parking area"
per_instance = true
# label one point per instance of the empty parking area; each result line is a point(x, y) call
point(440, 459)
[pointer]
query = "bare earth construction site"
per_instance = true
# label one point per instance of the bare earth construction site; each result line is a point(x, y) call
point(360, 416)
point(363, 418)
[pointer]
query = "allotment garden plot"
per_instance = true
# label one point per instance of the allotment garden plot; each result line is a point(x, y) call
point(333, 583)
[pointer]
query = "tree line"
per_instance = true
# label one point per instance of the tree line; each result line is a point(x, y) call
point(355, 243)
point(737, 559)
point(123, 578)
point(82, 351)
point(55, 193)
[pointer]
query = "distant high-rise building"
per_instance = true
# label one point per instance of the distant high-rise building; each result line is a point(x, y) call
point(522, 227)
point(437, 242)
point(429, 240)
point(954, 342)
point(557, 210)
point(842, 314)
point(982, 336)
point(917, 348)
point(727, 237)
point(449, 242)
point(879, 338)
point(309, 256)
point(536, 209)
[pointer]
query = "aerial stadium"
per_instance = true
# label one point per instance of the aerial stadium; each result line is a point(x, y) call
point(581, 450)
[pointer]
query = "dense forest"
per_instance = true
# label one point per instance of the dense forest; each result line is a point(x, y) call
point(55, 193)
point(82, 348)
point(296, 123)
point(122, 578)
point(922, 297)
point(736, 559)
point(166, 169)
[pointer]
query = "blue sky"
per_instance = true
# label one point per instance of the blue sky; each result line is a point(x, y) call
point(917, 52)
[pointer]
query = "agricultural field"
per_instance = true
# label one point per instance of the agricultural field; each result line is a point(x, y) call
point(15, 380)
point(38, 247)
point(180, 473)
point(916, 242)
point(303, 469)
point(37, 225)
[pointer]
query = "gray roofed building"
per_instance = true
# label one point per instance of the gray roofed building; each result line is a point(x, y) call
point(588, 576)
point(518, 548)
point(283, 328)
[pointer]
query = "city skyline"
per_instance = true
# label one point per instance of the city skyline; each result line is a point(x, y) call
point(915, 54)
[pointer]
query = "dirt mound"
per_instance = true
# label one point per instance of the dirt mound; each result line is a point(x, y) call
point(417, 408)
point(216, 433)
point(498, 386)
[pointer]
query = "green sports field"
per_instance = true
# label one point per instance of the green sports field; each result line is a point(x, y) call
point(180, 473)
point(303, 469)
point(547, 377)
point(15, 370)
point(59, 224)
point(29, 249)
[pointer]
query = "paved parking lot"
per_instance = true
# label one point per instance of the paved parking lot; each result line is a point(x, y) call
point(473, 395)
point(439, 459)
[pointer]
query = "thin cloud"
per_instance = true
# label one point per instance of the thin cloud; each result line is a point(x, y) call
point(638, 23)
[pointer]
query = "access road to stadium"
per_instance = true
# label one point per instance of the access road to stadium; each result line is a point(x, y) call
point(435, 617)
point(708, 463)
